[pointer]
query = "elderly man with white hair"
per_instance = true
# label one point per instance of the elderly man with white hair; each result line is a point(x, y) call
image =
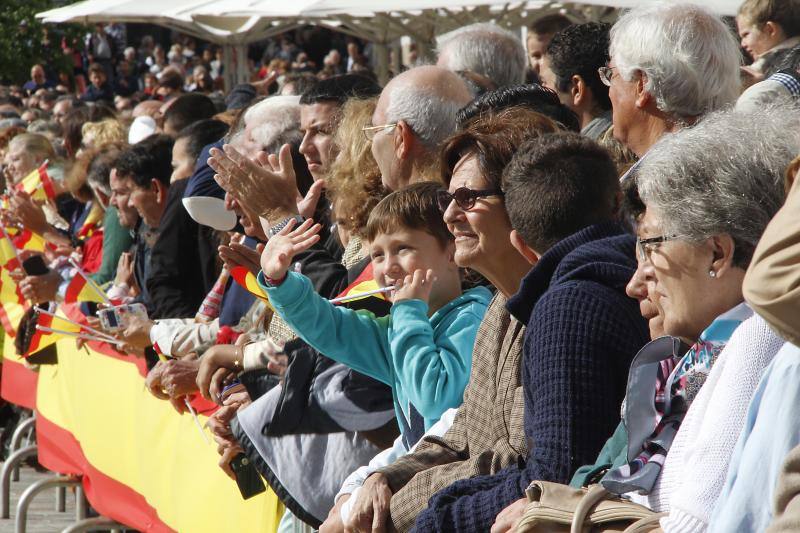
point(485, 49)
point(670, 64)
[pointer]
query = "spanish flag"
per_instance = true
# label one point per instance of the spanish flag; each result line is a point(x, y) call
point(12, 303)
point(8, 254)
point(28, 240)
point(365, 282)
point(83, 289)
point(247, 279)
point(94, 220)
point(42, 339)
point(38, 184)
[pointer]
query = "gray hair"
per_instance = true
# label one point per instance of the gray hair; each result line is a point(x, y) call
point(722, 176)
point(689, 56)
point(431, 117)
point(486, 49)
point(277, 122)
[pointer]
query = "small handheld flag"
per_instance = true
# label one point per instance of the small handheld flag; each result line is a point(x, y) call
point(38, 184)
point(247, 279)
point(83, 289)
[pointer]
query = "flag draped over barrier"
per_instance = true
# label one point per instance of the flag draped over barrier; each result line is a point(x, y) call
point(141, 462)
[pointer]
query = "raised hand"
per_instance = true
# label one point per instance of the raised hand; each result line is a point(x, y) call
point(415, 287)
point(281, 248)
point(268, 191)
point(236, 254)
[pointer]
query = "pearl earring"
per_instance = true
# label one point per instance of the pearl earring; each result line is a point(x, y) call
point(712, 273)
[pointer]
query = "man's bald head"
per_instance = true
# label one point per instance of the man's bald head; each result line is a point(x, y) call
point(148, 108)
point(427, 98)
point(418, 108)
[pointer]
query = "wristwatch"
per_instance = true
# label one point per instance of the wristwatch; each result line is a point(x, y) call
point(274, 230)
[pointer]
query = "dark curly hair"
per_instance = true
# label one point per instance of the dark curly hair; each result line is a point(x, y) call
point(580, 50)
point(533, 96)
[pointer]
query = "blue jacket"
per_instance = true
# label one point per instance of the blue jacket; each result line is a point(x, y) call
point(426, 361)
point(582, 333)
point(771, 431)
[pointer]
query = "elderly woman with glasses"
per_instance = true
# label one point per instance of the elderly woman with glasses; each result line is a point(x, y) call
point(707, 201)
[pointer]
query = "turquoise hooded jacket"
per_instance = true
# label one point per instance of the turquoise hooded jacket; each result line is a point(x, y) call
point(426, 361)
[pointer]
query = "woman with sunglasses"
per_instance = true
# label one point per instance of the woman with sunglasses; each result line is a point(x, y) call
point(475, 213)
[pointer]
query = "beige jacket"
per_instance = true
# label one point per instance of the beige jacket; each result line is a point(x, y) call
point(772, 283)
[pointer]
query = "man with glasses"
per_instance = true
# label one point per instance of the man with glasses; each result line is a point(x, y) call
point(415, 113)
point(669, 65)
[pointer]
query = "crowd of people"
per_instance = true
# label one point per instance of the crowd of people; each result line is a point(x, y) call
point(456, 301)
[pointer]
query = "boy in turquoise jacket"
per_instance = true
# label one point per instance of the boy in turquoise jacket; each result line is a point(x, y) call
point(423, 348)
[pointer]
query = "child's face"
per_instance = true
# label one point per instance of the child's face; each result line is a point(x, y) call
point(398, 254)
point(97, 79)
point(755, 40)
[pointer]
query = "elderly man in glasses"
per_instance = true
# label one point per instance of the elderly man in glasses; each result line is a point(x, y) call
point(670, 64)
point(415, 113)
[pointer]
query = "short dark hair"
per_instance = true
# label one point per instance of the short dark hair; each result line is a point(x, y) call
point(493, 138)
point(171, 79)
point(200, 134)
point(550, 24)
point(187, 109)
point(580, 50)
point(414, 207)
point(302, 81)
point(97, 68)
point(556, 185)
point(533, 96)
point(147, 160)
point(338, 89)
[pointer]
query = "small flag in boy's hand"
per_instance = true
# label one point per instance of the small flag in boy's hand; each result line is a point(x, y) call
point(247, 279)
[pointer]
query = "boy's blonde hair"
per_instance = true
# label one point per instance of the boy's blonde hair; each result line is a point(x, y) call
point(414, 207)
point(784, 13)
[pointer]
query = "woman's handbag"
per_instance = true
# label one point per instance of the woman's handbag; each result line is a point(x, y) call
point(556, 508)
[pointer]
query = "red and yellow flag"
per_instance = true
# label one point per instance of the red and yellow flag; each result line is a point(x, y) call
point(42, 339)
point(82, 289)
point(38, 184)
point(28, 240)
point(247, 279)
point(12, 303)
point(8, 254)
point(365, 282)
point(94, 221)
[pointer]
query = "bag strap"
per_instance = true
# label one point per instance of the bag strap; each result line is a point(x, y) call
point(595, 495)
point(645, 524)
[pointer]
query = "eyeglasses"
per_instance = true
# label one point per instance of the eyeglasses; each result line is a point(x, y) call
point(371, 131)
point(646, 247)
point(606, 73)
point(464, 197)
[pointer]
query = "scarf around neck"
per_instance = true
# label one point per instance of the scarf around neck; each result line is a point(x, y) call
point(653, 420)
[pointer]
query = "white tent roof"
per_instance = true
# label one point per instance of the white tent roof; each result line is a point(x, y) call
point(176, 14)
point(366, 8)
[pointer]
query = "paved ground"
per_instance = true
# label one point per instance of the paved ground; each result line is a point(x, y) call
point(42, 515)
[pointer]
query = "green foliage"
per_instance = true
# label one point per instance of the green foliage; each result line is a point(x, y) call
point(24, 41)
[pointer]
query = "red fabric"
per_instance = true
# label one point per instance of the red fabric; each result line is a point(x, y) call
point(60, 452)
point(18, 384)
point(93, 252)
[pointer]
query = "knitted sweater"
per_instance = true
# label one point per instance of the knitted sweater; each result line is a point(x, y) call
point(582, 333)
point(697, 463)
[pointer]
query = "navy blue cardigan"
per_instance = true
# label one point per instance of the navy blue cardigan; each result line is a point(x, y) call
point(582, 334)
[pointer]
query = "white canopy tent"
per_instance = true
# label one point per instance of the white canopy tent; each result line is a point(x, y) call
point(235, 23)
point(233, 33)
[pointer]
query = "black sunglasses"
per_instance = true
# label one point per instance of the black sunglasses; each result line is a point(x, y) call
point(464, 197)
